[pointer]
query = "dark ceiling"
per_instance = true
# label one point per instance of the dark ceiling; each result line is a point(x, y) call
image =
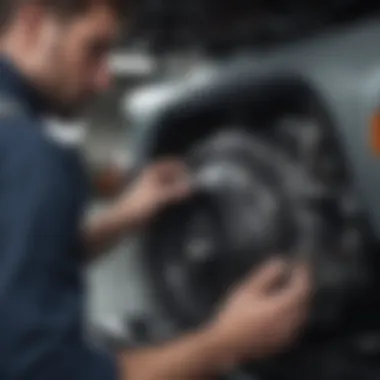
point(221, 25)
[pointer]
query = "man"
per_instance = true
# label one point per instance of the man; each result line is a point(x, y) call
point(53, 57)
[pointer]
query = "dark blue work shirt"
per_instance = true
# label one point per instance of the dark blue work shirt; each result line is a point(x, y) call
point(42, 196)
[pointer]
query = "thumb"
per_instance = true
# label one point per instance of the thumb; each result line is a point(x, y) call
point(299, 287)
point(177, 190)
point(266, 277)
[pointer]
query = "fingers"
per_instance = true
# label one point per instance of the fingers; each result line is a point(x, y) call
point(298, 287)
point(293, 300)
point(178, 191)
point(173, 178)
point(169, 168)
point(266, 277)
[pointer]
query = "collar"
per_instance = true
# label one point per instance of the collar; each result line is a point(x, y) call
point(15, 85)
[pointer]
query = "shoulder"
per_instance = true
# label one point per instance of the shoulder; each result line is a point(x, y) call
point(23, 137)
point(27, 152)
point(28, 139)
point(36, 173)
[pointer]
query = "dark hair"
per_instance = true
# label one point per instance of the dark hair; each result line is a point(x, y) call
point(63, 8)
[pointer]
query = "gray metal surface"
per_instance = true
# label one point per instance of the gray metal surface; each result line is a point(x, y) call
point(343, 66)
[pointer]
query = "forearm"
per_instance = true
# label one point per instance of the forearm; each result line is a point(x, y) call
point(108, 228)
point(197, 356)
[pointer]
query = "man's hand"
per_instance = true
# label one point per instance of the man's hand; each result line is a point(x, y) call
point(260, 318)
point(163, 183)
point(264, 314)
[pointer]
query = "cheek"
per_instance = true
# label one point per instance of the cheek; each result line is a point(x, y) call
point(74, 66)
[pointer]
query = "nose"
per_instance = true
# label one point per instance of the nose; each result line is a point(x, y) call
point(102, 78)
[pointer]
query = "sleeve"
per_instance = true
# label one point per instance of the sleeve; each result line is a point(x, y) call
point(41, 332)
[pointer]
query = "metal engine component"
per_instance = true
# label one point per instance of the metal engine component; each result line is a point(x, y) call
point(279, 149)
point(254, 199)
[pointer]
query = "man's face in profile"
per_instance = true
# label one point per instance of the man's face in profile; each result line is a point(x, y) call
point(77, 57)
